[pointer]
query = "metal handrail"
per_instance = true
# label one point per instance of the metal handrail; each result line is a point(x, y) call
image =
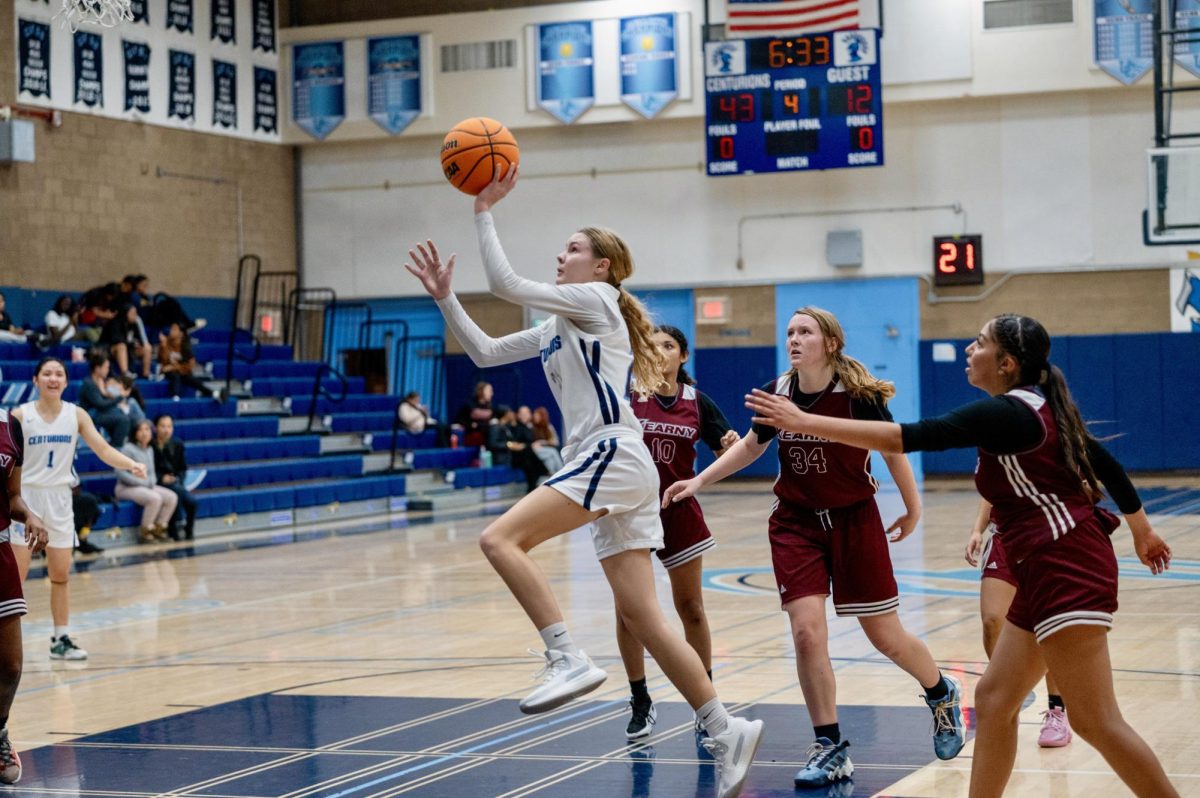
point(237, 306)
point(319, 389)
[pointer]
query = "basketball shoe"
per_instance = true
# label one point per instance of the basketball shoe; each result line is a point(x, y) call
point(948, 734)
point(1056, 729)
point(564, 677)
point(643, 720)
point(734, 750)
point(10, 763)
point(828, 762)
point(64, 648)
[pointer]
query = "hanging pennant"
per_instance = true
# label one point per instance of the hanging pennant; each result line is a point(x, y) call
point(1124, 38)
point(648, 63)
point(137, 76)
point(224, 94)
point(318, 87)
point(266, 105)
point(394, 81)
point(565, 70)
point(34, 51)
point(182, 94)
point(89, 69)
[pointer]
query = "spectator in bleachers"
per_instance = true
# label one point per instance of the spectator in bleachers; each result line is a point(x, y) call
point(158, 503)
point(525, 457)
point(60, 320)
point(109, 412)
point(125, 387)
point(545, 440)
point(475, 416)
point(415, 419)
point(97, 306)
point(170, 462)
point(500, 440)
point(125, 335)
point(177, 362)
point(86, 507)
point(9, 331)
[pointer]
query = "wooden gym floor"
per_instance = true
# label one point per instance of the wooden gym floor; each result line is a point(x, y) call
point(385, 658)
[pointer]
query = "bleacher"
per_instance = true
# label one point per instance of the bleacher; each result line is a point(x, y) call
point(265, 466)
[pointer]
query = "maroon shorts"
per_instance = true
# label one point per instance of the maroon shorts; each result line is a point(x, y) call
point(993, 564)
point(12, 599)
point(846, 546)
point(685, 535)
point(1069, 582)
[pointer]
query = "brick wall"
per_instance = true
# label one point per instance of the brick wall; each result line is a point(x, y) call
point(93, 208)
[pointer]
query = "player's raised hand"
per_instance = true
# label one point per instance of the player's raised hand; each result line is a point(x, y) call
point(427, 267)
point(502, 183)
point(775, 410)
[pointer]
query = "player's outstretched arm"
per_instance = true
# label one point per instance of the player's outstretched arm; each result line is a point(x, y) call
point(87, 431)
point(735, 458)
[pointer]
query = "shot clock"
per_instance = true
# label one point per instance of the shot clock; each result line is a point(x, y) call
point(958, 260)
point(791, 104)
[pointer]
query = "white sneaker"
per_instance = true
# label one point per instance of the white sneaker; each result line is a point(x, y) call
point(734, 751)
point(564, 677)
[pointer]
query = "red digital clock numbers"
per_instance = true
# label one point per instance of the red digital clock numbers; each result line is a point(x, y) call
point(958, 260)
point(734, 107)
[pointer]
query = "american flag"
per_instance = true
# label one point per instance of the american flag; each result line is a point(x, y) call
point(751, 19)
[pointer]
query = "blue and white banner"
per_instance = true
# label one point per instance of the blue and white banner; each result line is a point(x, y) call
point(262, 13)
point(1187, 17)
point(394, 81)
point(1185, 298)
point(182, 89)
point(318, 87)
point(1124, 38)
point(224, 94)
point(224, 21)
point(266, 103)
point(648, 63)
point(34, 60)
point(137, 76)
point(140, 9)
point(565, 70)
point(89, 69)
point(179, 15)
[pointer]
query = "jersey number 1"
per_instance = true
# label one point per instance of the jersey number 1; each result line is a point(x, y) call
point(50, 462)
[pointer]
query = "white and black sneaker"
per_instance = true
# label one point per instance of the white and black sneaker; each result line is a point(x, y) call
point(734, 750)
point(641, 724)
point(564, 677)
point(63, 647)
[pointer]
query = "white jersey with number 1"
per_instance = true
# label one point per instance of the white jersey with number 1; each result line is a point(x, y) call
point(49, 447)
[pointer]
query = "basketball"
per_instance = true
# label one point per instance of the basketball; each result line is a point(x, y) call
point(473, 149)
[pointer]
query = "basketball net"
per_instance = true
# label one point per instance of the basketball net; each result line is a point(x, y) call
point(108, 13)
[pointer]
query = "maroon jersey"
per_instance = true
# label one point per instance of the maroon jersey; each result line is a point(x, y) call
point(11, 456)
point(814, 472)
point(671, 425)
point(1035, 497)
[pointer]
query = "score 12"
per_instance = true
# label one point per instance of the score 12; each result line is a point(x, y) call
point(958, 260)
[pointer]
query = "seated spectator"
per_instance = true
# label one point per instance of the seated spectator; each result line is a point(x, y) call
point(60, 320)
point(97, 306)
point(86, 508)
point(178, 364)
point(475, 416)
point(415, 419)
point(162, 310)
point(124, 334)
point(525, 456)
point(170, 462)
point(545, 440)
point(158, 503)
point(109, 412)
point(9, 331)
point(500, 439)
point(126, 388)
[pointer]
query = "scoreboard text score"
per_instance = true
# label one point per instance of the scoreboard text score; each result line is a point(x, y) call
point(789, 104)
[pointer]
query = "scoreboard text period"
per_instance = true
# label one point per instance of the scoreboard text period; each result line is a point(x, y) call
point(790, 104)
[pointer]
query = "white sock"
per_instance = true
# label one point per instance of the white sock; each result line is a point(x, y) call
point(557, 638)
point(713, 717)
point(59, 631)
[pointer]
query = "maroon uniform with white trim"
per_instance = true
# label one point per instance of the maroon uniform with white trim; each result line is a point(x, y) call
point(993, 564)
point(12, 599)
point(671, 426)
point(1055, 538)
point(825, 528)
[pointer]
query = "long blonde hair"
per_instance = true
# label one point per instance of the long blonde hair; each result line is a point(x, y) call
point(647, 360)
point(853, 375)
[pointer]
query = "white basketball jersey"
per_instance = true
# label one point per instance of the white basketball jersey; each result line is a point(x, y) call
point(49, 447)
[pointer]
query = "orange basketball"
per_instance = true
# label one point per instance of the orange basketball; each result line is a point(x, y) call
point(473, 149)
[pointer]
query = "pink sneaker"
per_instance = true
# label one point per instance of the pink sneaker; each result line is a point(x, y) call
point(1056, 729)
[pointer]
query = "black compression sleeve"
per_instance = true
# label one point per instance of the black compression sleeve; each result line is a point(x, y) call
point(1000, 425)
point(713, 423)
point(1114, 478)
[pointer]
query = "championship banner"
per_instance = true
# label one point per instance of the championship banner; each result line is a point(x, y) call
point(1124, 38)
point(394, 81)
point(1187, 18)
point(648, 63)
point(183, 86)
point(565, 70)
point(34, 63)
point(179, 15)
point(89, 69)
point(1185, 297)
point(224, 94)
point(140, 11)
point(137, 76)
point(318, 87)
point(263, 25)
point(224, 25)
point(266, 105)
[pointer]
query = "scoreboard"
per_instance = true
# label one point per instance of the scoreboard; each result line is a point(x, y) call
point(791, 104)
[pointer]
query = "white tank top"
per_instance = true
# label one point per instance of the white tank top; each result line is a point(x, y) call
point(49, 447)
